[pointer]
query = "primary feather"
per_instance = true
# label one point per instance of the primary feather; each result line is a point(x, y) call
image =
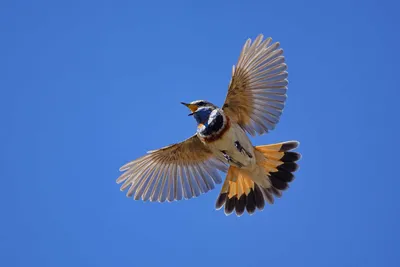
point(257, 90)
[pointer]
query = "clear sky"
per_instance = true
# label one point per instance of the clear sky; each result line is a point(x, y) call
point(86, 86)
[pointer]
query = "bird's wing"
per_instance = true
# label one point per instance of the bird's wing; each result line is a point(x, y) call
point(257, 90)
point(181, 170)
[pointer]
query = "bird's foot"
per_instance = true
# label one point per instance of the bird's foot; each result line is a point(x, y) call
point(241, 149)
point(230, 160)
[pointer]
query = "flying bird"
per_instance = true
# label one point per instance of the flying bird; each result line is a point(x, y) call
point(255, 174)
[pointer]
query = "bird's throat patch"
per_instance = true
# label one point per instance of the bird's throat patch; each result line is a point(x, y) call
point(212, 134)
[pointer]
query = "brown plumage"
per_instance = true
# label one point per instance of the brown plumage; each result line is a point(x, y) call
point(189, 166)
point(256, 175)
point(257, 90)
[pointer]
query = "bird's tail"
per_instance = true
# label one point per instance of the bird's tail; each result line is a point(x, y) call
point(249, 189)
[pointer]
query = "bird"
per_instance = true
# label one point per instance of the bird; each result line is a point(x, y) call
point(255, 175)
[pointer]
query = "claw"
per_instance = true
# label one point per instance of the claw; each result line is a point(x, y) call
point(241, 149)
point(229, 159)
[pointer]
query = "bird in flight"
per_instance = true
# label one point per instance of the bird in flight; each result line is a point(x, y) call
point(255, 174)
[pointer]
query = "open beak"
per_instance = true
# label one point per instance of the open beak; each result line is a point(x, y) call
point(192, 107)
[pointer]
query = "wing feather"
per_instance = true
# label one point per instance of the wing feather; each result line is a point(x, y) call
point(163, 190)
point(171, 182)
point(182, 170)
point(257, 90)
point(150, 185)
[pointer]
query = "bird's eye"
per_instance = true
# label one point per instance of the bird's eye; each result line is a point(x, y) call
point(201, 103)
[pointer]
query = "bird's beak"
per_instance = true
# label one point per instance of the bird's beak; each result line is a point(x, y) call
point(192, 107)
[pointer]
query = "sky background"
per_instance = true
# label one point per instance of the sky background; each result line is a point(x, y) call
point(86, 86)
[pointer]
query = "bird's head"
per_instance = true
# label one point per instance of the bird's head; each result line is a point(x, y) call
point(201, 110)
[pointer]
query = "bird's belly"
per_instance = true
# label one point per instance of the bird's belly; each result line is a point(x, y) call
point(226, 144)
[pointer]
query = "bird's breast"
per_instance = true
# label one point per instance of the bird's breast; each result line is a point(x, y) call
point(226, 144)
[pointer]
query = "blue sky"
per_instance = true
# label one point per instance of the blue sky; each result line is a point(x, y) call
point(86, 86)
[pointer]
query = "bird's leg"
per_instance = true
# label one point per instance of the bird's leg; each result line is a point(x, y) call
point(230, 160)
point(226, 156)
point(241, 149)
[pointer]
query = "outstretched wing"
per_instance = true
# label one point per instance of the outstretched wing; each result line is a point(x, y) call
point(182, 170)
point(257, 90)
